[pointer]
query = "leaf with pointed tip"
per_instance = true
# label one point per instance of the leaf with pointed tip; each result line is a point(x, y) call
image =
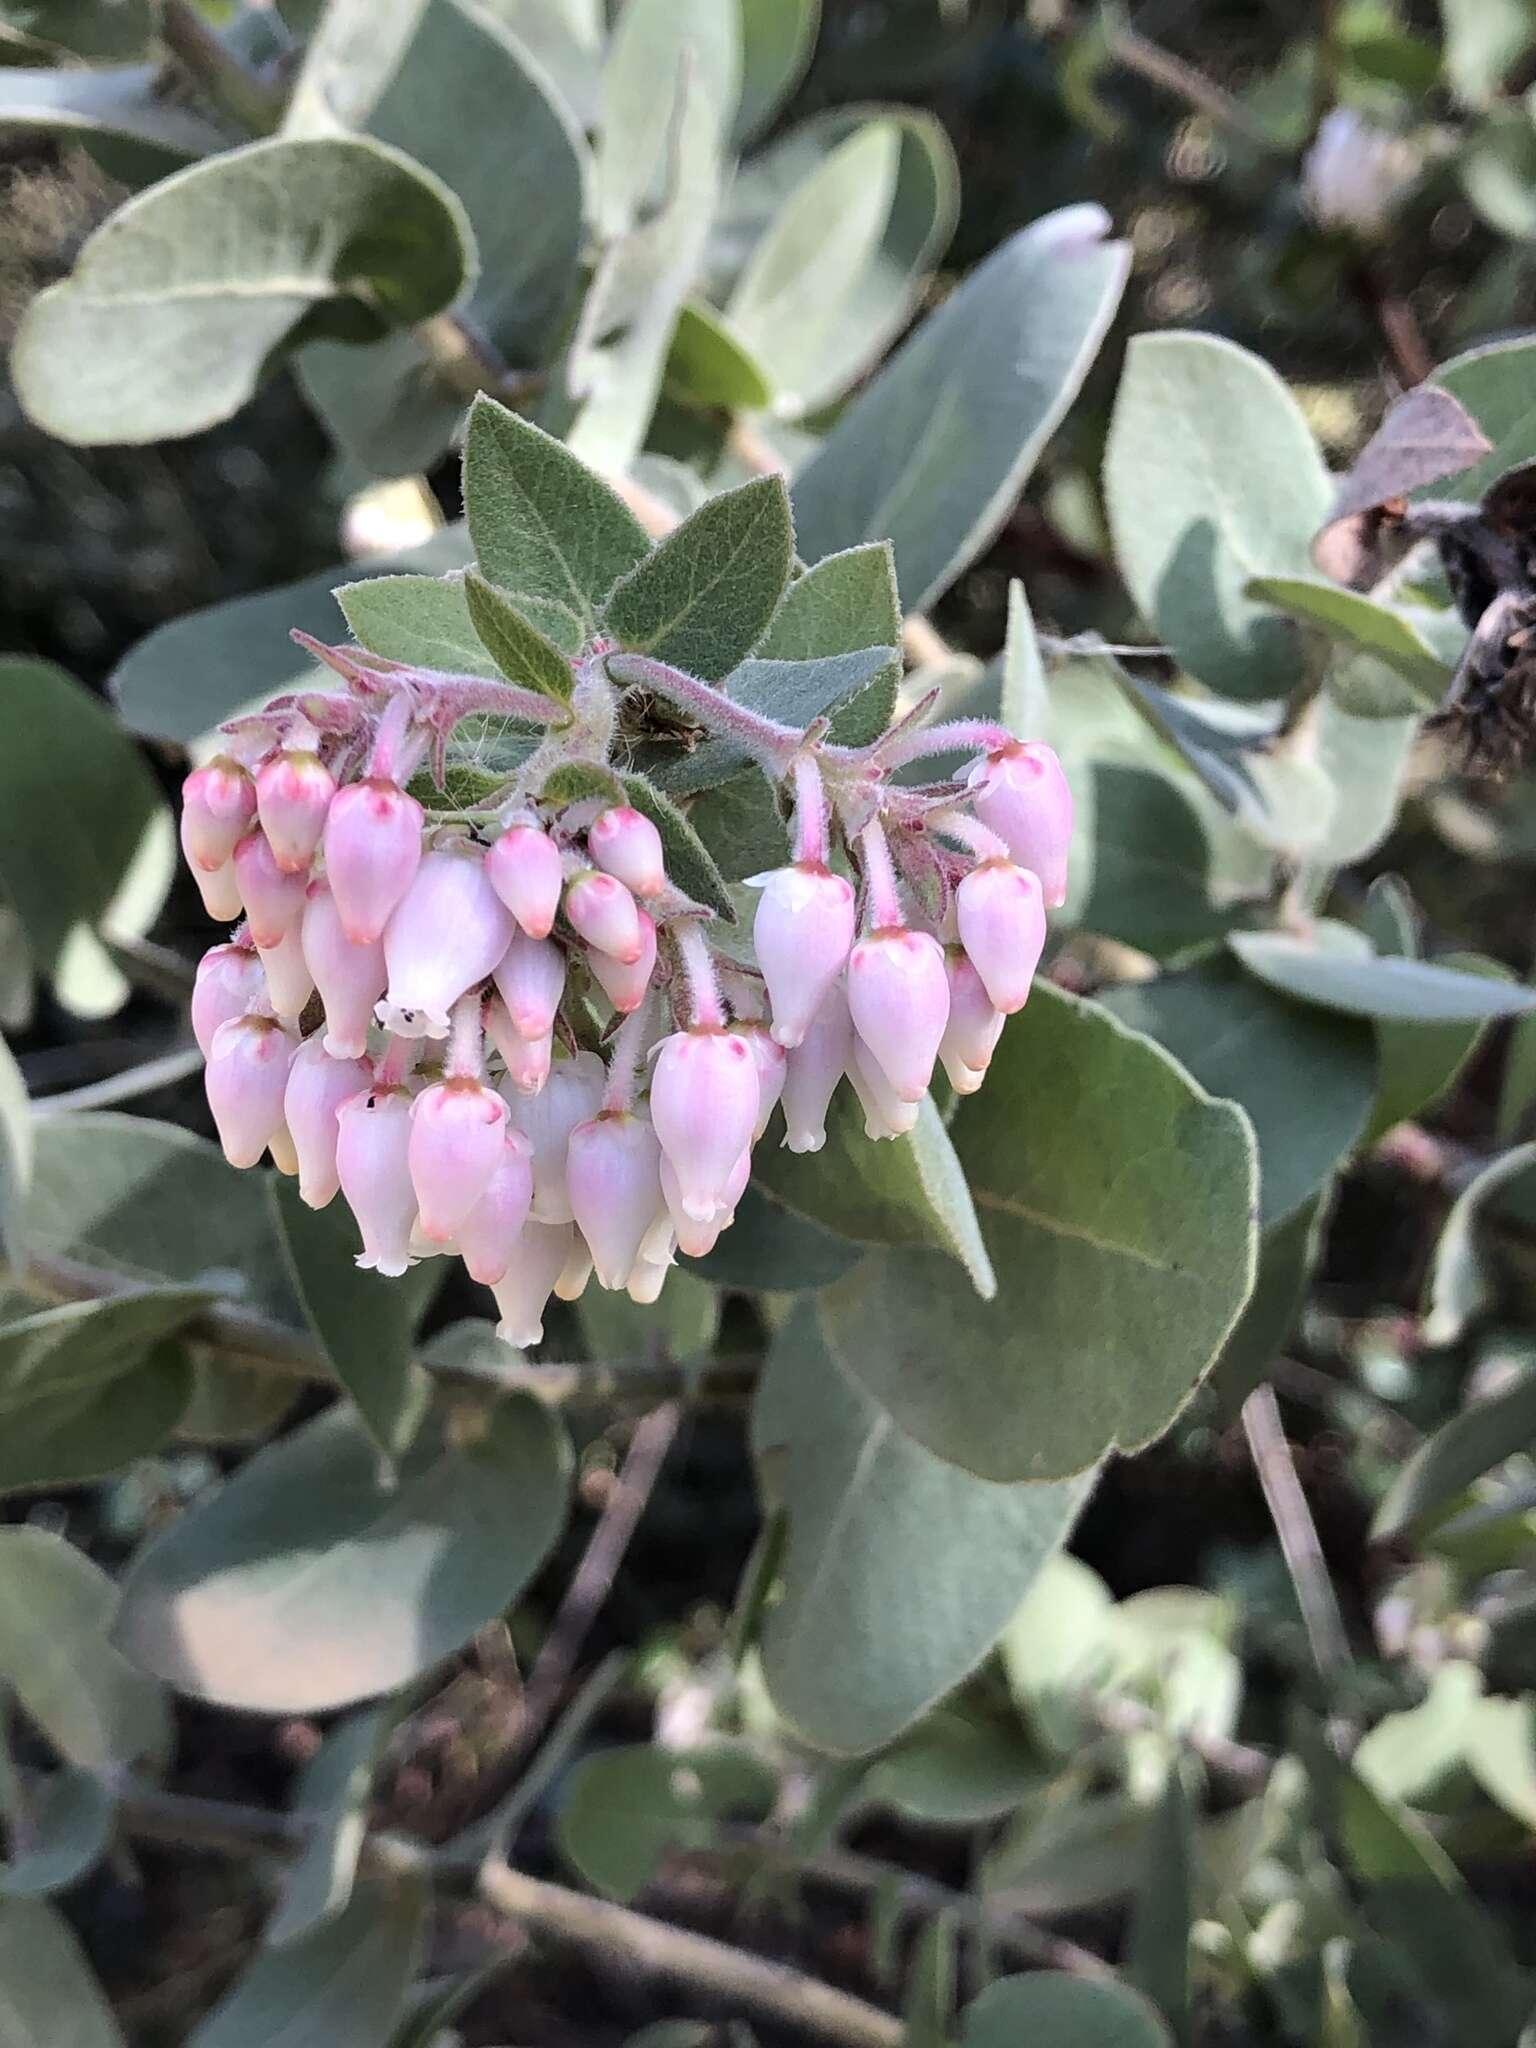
point(423, 620)
point(844, 603)
point(1362, 623)
point(573, 782)
point(519, 649)
point(1025, 698)
point(709, 364)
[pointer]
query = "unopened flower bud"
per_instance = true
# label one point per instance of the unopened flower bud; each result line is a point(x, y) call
point(455, 1147)
point(537, 1261)
point(625, 983)
point(317, 1087)
point(531, 977)
point(488, 1235)
point(289, 981)
point(245, 1077)
point(812, 1070)
point(973, 1028)
point(695, 1235)
point(603, 912)
point(770, 1060)
point(274, 902)
point(293, 795)
point(1001, 920)
point(886, 1115)
point(572, 1093)
point(445, 937)
point(350, 977)
point(525, 871)
point(230, 981)
point(373, 1134)
point(220, 892)
point(372, 850)
point(218, 803)
point(623, 842)
point(613, 1169)
point(704, 1097)
point(528, 1060)
point(899, 1000)
point(802, 933)
point(1022, 795)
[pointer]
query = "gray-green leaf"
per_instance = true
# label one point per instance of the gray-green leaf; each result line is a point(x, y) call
point(519, 649)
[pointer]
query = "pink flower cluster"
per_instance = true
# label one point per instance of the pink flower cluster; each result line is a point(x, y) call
point(510, 1037)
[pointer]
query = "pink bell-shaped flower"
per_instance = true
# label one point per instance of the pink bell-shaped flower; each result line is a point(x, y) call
point(289, 981)
point(372, 851)
point(537, 1261)
point(1001, 919)
point(456, 1145)
point(771, 1062)
point(704, 1097)
point(531, 977)
point(528, 1059)
point(350, 977)
point(603, 912)
point(613, 1170)
point(220, 891)
point(803, 931)
point(695, 1236)
point(317, 1087)
point(293, 795)
point(624, 843)
point(218, 803)
point(230, 981)
point(245, 1077)
point(625, 983)
point(646, 1280)
point(445, 937)
point(274, 901)
point(899, 999)
point(373, 1135)
point(1022, 794)
point(525, 871)
point(973, 1027)
point(488, 1235)
point(573, 1092)
point(886, 1115)
point(812, 1070)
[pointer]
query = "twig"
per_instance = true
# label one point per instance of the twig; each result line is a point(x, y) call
point(235, 89)
point(131, 1082)
point(1296, 1530)
point(1411, 356)
point(1180, 78)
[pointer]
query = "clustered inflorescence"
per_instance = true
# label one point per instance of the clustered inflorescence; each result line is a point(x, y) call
point(506, 1033)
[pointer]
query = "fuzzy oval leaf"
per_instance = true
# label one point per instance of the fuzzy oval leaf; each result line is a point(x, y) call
point(932, 455)
point(1213, 478)
point(702, 600)
point(1051, 2006)
point(48, 1992)
point(875, 1620)
point(177, 303)
point(122, 101)
point(795, 693)
point(424, 620)
point(1339, 971)
point(777, 38)
point(1117, 1206)
point(1358, 621)
point(641, 88)
point(1151, 872)
point(309, 1581)
point(710, 364)
point(519, 649)
point(623, 1809)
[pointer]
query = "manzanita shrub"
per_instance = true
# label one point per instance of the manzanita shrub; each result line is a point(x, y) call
point(645, 964)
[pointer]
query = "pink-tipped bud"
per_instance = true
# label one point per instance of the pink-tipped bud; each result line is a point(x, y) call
point(885, 1113)
point(625, 983)
point(572, 1093)
point(704, 1097)
point(531, 977)
point(217, 805)
point(488, 1235)
point(525, 871)
point(537, 1261)
point(696, 1236)
point(230, 981)
point(1022, 794)
point(812, 1070)
point(771, 1061)
point(447, 934)
point(456, 1146)
point(1001, 919)
point(220, 892)
point(372, 851)
point(350, 977)
point(293, 795)
point(373, 1135)
point(317, 1087)
point(613, 1169)
point(625, 843)
point(603, 912)
point(528, 1059)
point(245, 1077)
point(289, 981)
point(802, 932)
point(974, 1027)
point(899, 1000)
point(274, 902)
